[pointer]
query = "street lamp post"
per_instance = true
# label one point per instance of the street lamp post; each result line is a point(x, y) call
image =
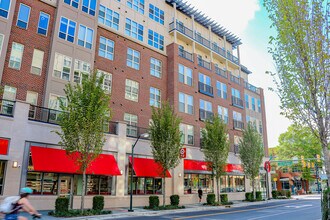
point(145, 135)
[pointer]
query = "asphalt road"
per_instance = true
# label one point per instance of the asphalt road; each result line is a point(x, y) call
point(302, 209)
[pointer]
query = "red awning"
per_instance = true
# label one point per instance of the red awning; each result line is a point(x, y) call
point(57, 161)
point(4, 143)
point(202, 167)
point(144, 167)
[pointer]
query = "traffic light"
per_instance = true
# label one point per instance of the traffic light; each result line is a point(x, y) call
point(303, 161)
point(318, 158)
point(308, 164)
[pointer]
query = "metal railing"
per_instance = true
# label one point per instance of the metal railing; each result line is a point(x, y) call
point(7, 107)
point(134, 131)
point(204, 63)
point(238, 125)
point(232, 58)
point(182, 29)
point(186, 55)
point(202, 40)
point(221, 72)
point(45, 115)
point(235, 79)
point(219, 50)
point(205, 115)
point(251, 87)
point(237, 102)
point(205, 89)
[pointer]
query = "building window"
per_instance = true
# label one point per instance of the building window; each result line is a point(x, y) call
point(134, 29)
point(32, 98)
point(4, 8)
point(185, 75)
point(285, 185)
point(247, 101)
point(260, 127)
point(107, 80)
point(285, 170)
point(154, 97)
point(1, 42)
point(106, 48)
point(186, 103)
point(137, 5)
point(192, 182)
point(221, 90)
point(2, 173)
point(16, 54)
point(81, 71)
point(85, 37)
point(23, 16)
point(62, 66)
point(204, 84)
point(43, 23)
point(155, 67)
point(37, 61)
point(187, 134)
point(205, 110)
point(108, 17)
point(156, 14)
point(253, 103)
point(231, 183)
point(89, 6)
point(156, 40)
point(236, 93)
point(74, 3)
point(55, 101)
point(223, 113)
point(132, 90)
point(9, 93)
point(237, 116)
point(258, 101)
point(67, 29)
point(99, 185)
point(132, 121)
point(133, 59)
point(144, 185)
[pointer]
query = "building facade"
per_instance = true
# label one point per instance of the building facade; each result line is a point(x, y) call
point(149, 51)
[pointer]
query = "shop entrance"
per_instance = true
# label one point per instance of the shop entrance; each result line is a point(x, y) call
point(65, 188)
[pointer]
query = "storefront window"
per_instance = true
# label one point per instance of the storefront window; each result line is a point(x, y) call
point(2, 174)
point(34, 182)
point(285, 185)
point(231, 183)
point(49, 184)
point(92, 187)
point(192, 182)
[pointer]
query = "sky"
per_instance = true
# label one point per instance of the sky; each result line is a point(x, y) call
point(249, 21)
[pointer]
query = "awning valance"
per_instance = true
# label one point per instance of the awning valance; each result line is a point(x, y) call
point(146, 167)
point(195, 166)
point(57, 161)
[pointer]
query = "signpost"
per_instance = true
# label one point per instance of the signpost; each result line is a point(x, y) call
point(183, 153)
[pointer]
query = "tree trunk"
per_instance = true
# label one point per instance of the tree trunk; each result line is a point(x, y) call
point(83, 191)
point(218, 189)
point(164, 196)
point(326, 160)
point(253, 180)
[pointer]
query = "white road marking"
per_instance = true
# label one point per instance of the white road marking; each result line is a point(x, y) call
point(265, 216)
point(297, 206)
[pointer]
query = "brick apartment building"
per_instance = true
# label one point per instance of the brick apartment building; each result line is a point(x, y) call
point(149, 51)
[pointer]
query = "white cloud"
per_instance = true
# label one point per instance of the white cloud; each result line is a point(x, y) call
point(232, 14)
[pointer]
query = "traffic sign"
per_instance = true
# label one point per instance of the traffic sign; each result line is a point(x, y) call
point(284, 163)
point(183, 153)
point(267, 166)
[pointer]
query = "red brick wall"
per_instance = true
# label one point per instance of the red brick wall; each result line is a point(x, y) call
point(120, 72)
point(22, 79)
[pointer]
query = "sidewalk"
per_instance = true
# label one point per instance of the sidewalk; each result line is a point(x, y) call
point(138, 211)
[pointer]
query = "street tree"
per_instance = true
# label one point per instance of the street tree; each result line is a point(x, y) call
point(301, 53)
point(251, 152)
point(85, 113)
point(165, 137)
point(215, 146)
point(298, 141)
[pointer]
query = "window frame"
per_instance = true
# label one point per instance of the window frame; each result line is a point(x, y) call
point(70, 24)
point(109, 44)
point(135, 5)
point(18, 16)
point(106, 74)
point(42, 62)
point(186, 129)
point(76, 5)
point(153, 14)
point(85, 31)
point(156, 101)
point(187, 98)
point(20, 58)
point(5, 11)
point(131, 26)
point(109, 18)
point(63, 66)
point(88, 8)
point(155, 40)
point(129, 90)
point(39, 21)
point(154, 63)
point(134, 64)
point(80, 70)
point(186, 72)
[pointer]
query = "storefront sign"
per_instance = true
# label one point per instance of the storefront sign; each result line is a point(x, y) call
point(183, 152)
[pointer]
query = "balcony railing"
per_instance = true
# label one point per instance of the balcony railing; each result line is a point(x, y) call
point(237, 102)
point(7, 107)
point(238, 125)
point(234, 79)
point(252, 88)
point(45, 115)
point(204, 63)
point(219, 50)
point(205, 89)
point(186, 55)
point(135, 132)
point(232, 57)
point(205, 115)
point(182, 29)
point(221, 72)
point(202, 40)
